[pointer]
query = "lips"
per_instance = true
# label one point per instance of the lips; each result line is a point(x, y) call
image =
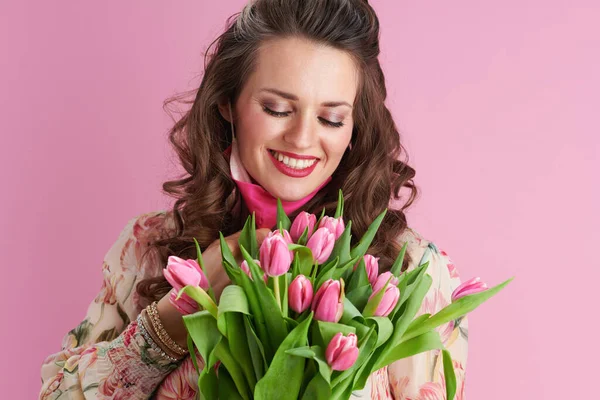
point(294, 155)
point(292, 172)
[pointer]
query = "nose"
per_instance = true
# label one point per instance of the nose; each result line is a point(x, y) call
point(303, 133)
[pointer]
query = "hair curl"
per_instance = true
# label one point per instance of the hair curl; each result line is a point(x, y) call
point(370, 175)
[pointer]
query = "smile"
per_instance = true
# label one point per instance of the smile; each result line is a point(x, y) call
point(294, 167)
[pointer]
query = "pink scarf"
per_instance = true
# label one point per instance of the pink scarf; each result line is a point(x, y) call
point(257, 199)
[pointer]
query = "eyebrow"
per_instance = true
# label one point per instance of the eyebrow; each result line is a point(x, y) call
point(293, 97)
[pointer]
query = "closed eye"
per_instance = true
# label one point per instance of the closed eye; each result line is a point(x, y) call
point(285, 114)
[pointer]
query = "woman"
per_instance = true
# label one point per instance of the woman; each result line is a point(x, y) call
point(291, 106)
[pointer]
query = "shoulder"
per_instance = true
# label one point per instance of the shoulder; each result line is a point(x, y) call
point(135, 237)
point(421, 249)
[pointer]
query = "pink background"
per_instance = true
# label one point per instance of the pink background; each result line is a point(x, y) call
point(498, 104)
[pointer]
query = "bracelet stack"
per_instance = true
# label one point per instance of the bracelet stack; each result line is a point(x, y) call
point(155, 334)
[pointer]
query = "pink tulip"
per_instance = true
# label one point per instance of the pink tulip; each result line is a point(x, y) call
point(388, 301)
point(300, 293)
point(246, 268)
point(342, 351)
point(321, 244)
point(382, 279)
point(180, 273)
point(275, 256)
point(301, 222)
point(185, 305)
point(471, 286)
point(328, 303)
point(372, 267)
point(285, 235)
point(335, 225)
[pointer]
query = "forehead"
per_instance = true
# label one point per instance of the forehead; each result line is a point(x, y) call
point(313, 72)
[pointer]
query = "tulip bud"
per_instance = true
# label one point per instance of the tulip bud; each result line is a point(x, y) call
point(328, 303)
point(342, 351)
point(275, 256)
point(372, 267)
point(300, 293)
point(388, 301)
point(471, 286)
point(302, 221)
point(180, 273)
point(382, 279)
point(321, 244)
point(246, 268)
point(335, 225)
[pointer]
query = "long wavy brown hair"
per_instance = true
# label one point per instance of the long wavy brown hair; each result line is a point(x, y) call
point(370, 175)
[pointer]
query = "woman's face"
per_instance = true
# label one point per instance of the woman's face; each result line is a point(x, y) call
point(293, 118)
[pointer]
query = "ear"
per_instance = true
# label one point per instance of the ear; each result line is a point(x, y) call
point(224, 109)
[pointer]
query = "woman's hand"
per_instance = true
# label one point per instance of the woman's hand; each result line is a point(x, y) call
point(170, 317)
point(212, 259)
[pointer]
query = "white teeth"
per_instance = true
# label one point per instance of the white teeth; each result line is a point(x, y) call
point(293, 162)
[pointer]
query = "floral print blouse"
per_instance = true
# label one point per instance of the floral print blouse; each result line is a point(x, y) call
point(106, 356)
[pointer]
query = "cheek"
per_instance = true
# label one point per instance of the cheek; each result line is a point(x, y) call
point(336, 145)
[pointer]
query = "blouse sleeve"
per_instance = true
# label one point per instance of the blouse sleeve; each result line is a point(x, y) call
point(106, 356)
point(422, 376)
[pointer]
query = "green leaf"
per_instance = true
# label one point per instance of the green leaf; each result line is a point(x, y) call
point(317, 389)
point(396, 268)
point(339, 211)
point(360, 296)
point(223, 353)
point(227, 387)
point(449, 375)
point(320, 218)
point(256, 349)
point(315, 353)
point(209, 383)
point(285, 369)
point(192, 351)
point(359, 277)
point(404, 317)
point(248, 237)
point(457, 309)
point(363, 245)
point(303, 239)
point(211, 293)
point(282, 218)
point(238, 344)
point(345, 270)
point(305, 258)
point(408, 281)
point(350, 312)
point(274, 321)
point(202, 327)
point(259, 320)
point(425, 342)
point(326, 272)
point(327, 330)
point(385, 328)
point(374, 301)
point(201, 297)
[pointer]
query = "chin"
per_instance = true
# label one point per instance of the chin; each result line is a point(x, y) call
point(290, 193)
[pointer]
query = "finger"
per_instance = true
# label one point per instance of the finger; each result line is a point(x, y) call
point(261, 234)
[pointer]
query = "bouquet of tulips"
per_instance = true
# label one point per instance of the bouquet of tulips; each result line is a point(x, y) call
point(307, 315)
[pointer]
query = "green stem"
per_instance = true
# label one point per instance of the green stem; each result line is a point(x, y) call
point(276, 287)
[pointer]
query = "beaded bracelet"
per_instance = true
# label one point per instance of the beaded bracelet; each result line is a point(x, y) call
point(159, 329)
point(152, 342)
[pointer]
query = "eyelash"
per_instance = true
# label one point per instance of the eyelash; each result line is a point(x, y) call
point(285, 114)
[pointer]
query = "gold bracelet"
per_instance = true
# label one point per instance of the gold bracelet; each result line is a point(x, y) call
point(162, 333)
point(150, 336)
